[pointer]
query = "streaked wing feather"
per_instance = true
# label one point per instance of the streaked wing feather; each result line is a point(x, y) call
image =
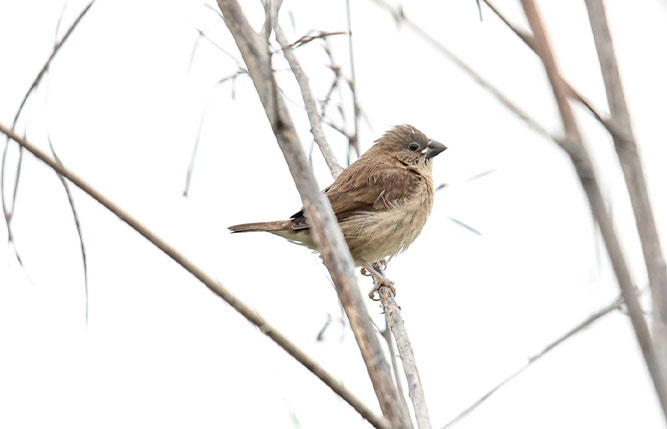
point(363, 187)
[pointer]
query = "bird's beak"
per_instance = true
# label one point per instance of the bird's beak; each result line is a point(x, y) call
point(433, 148)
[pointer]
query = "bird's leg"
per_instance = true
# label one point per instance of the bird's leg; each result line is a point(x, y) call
point(379, 279)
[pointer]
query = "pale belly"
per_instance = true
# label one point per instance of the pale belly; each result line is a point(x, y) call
point(373, 236)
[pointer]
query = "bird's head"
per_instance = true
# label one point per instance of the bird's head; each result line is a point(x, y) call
point(408, 144)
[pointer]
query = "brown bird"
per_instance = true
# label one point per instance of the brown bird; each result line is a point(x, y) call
point(381, 201)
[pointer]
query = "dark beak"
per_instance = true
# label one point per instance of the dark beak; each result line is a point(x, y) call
point(433, 148)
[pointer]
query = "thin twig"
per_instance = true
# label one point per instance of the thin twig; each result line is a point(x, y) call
point(389, 339)
point(209, 281)
point(393, 315)
point(313, 35)
point(77, 223)
point(309, 102)
point(618, 302)
point(324, 227)
point(626, 149)
point(6, 211)
point(528, 40)
point(191, 165)
point(354, 141)
point(575, 148)
point(400, 16)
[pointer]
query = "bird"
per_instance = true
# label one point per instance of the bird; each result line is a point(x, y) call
point(381, 201)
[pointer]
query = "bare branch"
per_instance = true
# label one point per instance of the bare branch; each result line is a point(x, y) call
point(578, 328)
point(77, 223)
point(309, 102)
point(389, 339)
point(313, 36)
point(213, 285)
point(400, 16)
point(393, 315)
point(354, 141)
point(528, 40)
point(626, 149)
point(324, 226)
point(56, 48)
point(574, 147)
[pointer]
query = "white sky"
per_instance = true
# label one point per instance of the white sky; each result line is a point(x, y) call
point(122, 107)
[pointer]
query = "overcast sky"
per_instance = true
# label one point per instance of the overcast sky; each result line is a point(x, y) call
point(123, 103)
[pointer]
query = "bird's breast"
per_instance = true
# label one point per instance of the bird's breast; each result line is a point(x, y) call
point(376, 235)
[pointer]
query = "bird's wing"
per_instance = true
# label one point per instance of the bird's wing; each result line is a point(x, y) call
point(367, 188)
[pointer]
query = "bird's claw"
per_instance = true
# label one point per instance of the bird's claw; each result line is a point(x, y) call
point(379, 283)
point(364, 272)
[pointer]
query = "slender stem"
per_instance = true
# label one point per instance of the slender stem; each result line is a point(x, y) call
point(56, 48)
point(400, 16)
point(531, 360)
point(528, 40)
point(309, 102)
point(395, 320)
point(626, 149)
point(353, 84)
point(574, 146)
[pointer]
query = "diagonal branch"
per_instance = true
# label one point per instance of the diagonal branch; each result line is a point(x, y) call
point(574, 147)
point(213, 285)
point(528, 40)
point(400, 16)
point(618, 302)
point(325, 228)
point(626, 148)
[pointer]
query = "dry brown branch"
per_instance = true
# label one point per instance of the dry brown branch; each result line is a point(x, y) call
point(325, 229)
point(393, 315)
point(528, 40)
point(309, 102)
point(400, 16)
point(618, 302)
point(626, 148)
point(213, 285)
point(389, 339)
point(56, 48)
point(314, 35)
point(574, 147)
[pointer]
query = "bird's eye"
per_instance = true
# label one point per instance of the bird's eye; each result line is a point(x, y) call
point(413, 146)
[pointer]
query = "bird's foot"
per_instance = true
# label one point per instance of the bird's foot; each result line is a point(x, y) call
point(380, 282)
point(378, 278)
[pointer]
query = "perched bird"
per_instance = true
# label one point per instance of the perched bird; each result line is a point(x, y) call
point(381, 201)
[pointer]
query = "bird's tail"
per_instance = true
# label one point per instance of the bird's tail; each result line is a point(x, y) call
point(275, 226)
